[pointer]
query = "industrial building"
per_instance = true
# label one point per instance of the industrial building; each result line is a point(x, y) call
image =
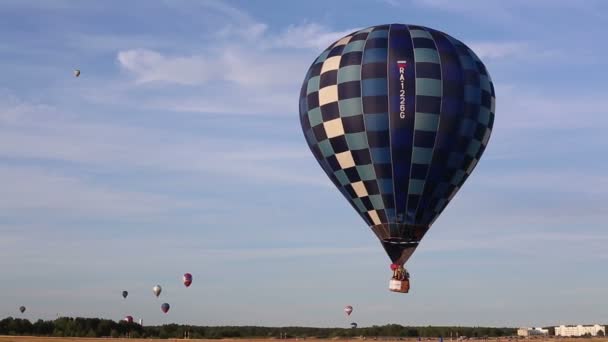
point(579, 330)
point(532, 332)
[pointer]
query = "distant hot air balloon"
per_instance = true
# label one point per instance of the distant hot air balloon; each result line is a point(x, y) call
point(141, 322)
point(353, 325)
point(76, 73)
point(129, 319)
point(157, 290)
point(125, 294)
point(398, 117)
point(22, 309)
point(187, 279)
point(165, 307)
point(348, 309)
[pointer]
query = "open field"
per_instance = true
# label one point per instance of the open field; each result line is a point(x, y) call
point(75, 339)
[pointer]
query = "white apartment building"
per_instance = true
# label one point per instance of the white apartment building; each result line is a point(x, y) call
point(579, 330)
point(532, 332)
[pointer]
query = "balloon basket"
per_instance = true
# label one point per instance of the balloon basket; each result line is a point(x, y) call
point(401, 286)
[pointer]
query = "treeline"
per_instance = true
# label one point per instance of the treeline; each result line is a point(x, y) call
point(95, 327)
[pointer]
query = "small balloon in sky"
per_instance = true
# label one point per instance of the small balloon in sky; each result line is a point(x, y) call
point(187, 279)
point(157, 290)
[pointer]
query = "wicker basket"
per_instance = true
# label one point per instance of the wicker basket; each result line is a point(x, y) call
point(402, 286)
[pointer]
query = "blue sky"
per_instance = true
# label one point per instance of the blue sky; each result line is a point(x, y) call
point(179, 150)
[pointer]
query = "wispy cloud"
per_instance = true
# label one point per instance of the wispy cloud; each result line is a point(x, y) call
point(494, 8)
point(523, 106)
point(119, 148)
point(34, 189)
point(522, 52)
point(309, 35)
point(150, 66)
point(229, 64)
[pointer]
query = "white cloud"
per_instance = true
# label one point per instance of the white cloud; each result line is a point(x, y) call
point(496, 50)
point(27, 189)
point(230, 21)
point(118, 148)
point(501, 9)
point(14, 110)
point(526, 107)
point(554, 180)
point(258, 65)
point(309, 35)
point(150, 66)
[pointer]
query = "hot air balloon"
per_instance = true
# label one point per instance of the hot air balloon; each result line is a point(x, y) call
point(22, 309)
point(76, 73)
point(398, 117)
point(348, 309)
point(157, 290)
point(129, 319)
point(125, 294)
point(353, 325)
point(187, 279)
point(165, 307)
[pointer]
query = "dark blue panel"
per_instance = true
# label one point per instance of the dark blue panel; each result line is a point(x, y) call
point(353, 124)
point(349, 90)
point(424, 139)
point(401, 121)
point(375, 104)
point(428, 70)
point(424, 43)
point(377, 43)
point(328, 78)
point(351, 58)
point(452, 110)
point(339, 144)
point(361, 157)
point(359, 36)
point(337, 51)
point(330, 111)
point(352, 174)
point(373, 70)
point(312, 100)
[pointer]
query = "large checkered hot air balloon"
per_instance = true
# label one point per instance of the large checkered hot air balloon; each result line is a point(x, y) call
point(398, 117)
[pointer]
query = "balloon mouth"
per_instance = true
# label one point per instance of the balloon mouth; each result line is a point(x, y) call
point(401, 241)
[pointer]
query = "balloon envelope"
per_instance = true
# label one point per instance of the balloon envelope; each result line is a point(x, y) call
point(353, 325)
point(76, 73)
point(165, 307)
point(157, 290)
point(398, 117)
point(125, 294)
point(348, 309)
point(187, 279)
point(22, 309)
point(129, 319)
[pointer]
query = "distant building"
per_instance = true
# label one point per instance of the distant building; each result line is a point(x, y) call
point(579, 330)
point(532, 332)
